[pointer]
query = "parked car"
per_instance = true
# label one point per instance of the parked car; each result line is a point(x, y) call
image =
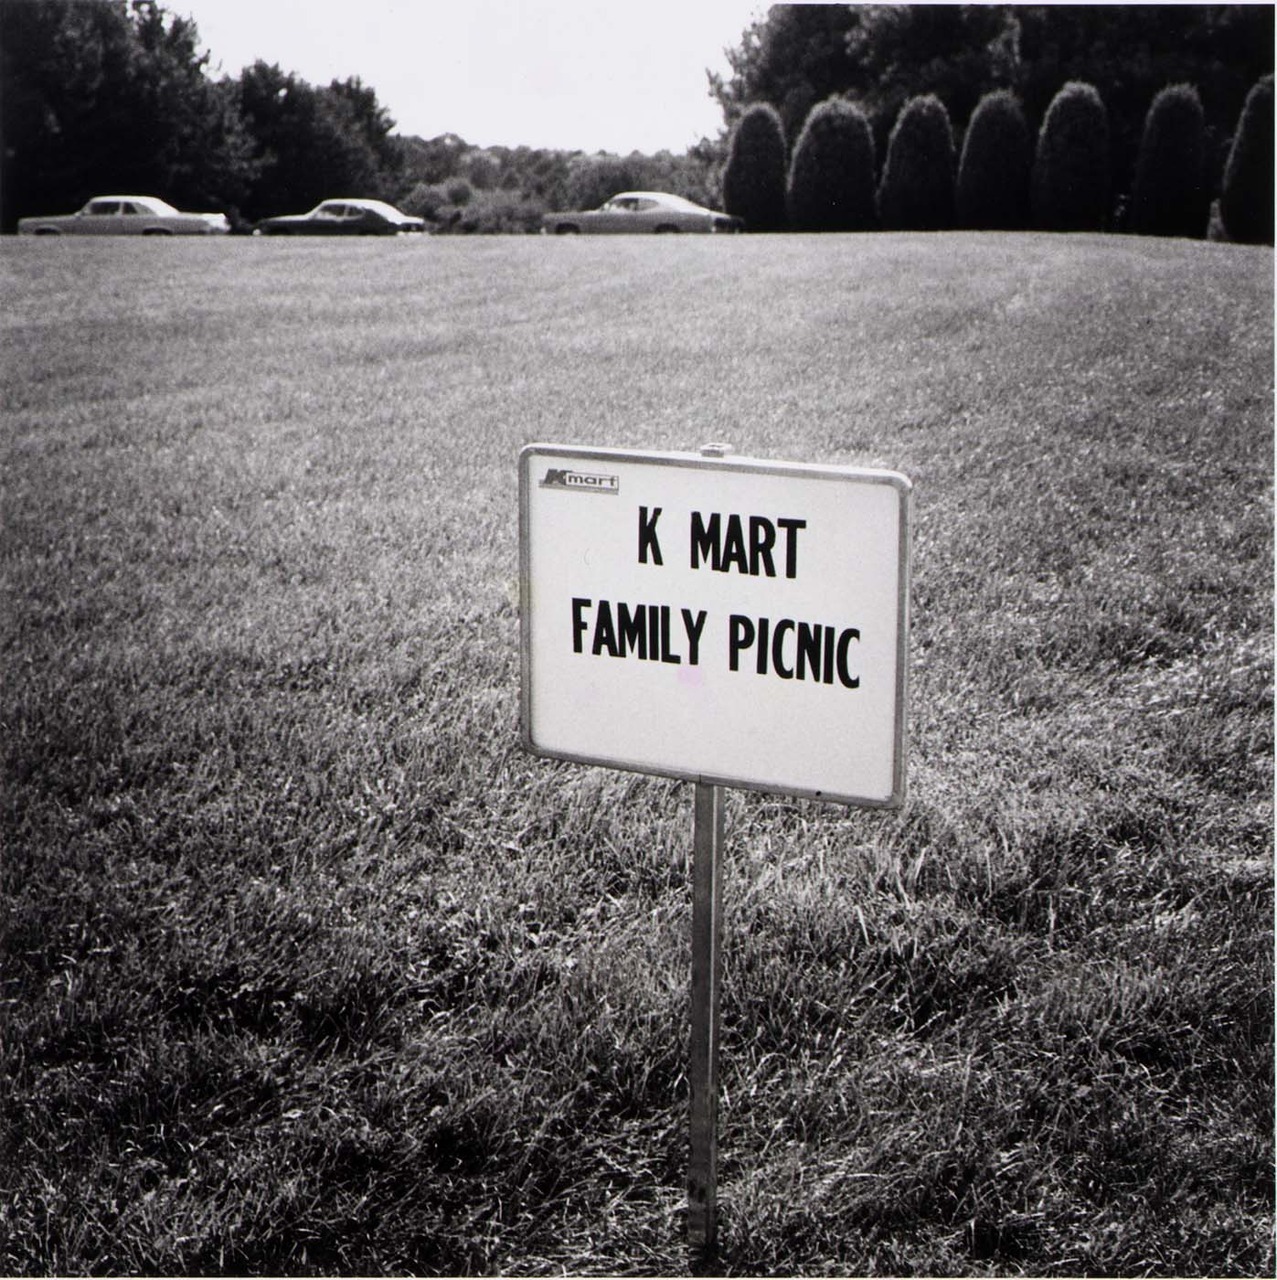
point(126, 216)
point(346, 217)
point(651, 212)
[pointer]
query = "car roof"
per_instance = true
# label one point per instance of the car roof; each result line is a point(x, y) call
point(154, 203)
point(360, 201)
point(664, 197)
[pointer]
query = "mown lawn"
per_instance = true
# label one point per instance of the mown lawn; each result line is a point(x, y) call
point(306, 968)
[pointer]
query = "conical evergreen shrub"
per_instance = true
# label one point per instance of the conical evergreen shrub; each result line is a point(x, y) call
point(831, 175)
point(993, 174)
point(754, 175)
point(1170, 196)
point(916, 193)
point(1246, 200)
point(1071, 167)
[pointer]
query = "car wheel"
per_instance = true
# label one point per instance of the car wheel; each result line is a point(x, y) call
point(666, 230)
point(567, 229)
point(156, 231)
point(47, 231)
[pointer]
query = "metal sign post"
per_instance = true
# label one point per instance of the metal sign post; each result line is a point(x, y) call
point(707, 979)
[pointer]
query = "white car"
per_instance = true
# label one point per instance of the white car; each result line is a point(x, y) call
point(650, 212)
point(126, 216)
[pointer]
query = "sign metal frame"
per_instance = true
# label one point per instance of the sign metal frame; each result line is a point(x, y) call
point(600, 459)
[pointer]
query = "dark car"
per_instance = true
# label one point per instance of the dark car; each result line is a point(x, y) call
point(348, 217)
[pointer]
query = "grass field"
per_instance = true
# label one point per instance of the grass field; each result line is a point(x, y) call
point(306, 968)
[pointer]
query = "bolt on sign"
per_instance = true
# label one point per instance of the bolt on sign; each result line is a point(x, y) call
point(726, 620)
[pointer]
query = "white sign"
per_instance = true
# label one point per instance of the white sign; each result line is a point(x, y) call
point(725, 620)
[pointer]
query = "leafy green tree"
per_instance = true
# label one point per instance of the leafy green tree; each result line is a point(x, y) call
point(880, 55)
point(196, 148)
point(549, 179)
point(1170, 196)
point(956, 52)
point(1246, 201)
point(793, 58)
point(1129, 52)
point(432, 160)
point(917, 188)
point(1071, 165)
point(308, 146)
point(754, 175)
point(542, 174)
point(592, 179)
point(356, 105)
point(99, 96)
point(425, 200)
point(61, 68)
point(993, 173)
point(595, 178)
point(831, 175)
point(883, 55)
point(702, 166)
point(483, 169)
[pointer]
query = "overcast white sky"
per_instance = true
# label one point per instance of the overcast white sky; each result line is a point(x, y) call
point(572, 74)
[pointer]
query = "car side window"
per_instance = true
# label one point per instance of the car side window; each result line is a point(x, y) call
point(332, 210)
point(641, 206)
point(104, 206)
point(131, 208)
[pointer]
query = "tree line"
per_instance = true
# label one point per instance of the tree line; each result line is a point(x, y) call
point(113, 95)
point(1003, 180)
point(102, 96)
point(1095, 117)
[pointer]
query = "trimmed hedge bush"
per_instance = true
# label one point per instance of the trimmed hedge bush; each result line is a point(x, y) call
point(993, 174)
point(1170, 197)
point(455, 208)
point(497, 213)
point(917, 189)
point(754, 175)
point(831, 176)
point(1071, 167)
point(1246, 201)
point(425, 200)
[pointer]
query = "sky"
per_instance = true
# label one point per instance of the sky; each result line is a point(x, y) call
point(589, 75)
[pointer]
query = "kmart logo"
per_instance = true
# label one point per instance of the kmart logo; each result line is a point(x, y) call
point(580, 481)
